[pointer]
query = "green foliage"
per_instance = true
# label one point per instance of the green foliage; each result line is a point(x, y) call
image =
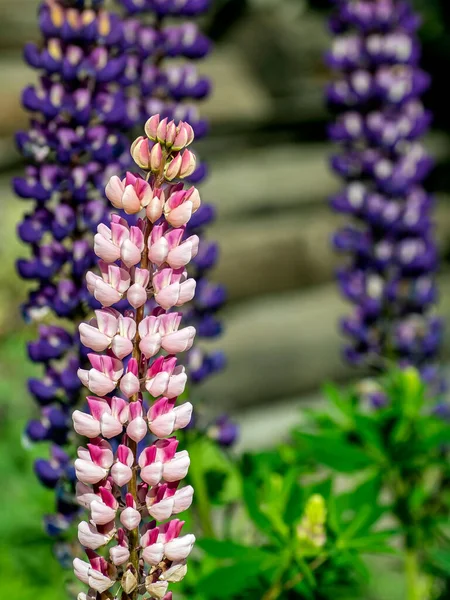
point(306, 520)
point(295, 535)
point(399, 454)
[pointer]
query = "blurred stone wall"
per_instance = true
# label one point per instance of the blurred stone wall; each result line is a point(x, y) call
point(270, 181)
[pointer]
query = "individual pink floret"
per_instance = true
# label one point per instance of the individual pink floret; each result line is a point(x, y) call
point(137, 294)
point(172, 287)
point(129, 383)
point(90, 537)
point(164, 417)
point(121, 470)
point(167, 246)
point(119, 242)
point(165, 378)
point(166, 500)
point(110, 287)
point(181, 205)
point(93, 462)
point(108, 416)
point(137, 427)
point(104, 375)
point(173, 340)
point(120, 554)
point(97, 573)
point(131, 194)
point(150, 338)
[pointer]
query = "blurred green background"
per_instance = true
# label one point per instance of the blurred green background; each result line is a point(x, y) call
point(269, 178)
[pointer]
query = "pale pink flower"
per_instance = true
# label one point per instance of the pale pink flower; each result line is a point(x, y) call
point(172, 287)
point(165, 500)
point(107, 417)
point(167, 133)
point(137, 294)
point(132, 194)
point(119, 242)
point(179, 548)
point(110, 287)
point(172, 340)
point(85, 494)
point(121, 470)
point(181, 205)
point(120, 554)
point(137, 427)
point(122, 343)
point(93, 462)
point(166, 246)
point(140, 151)
point(150, 338)
point(164, 378)
point(104, 375)
point(129, 383)
point(90, 537)
point(164, 417)
point(104, 507)
point(177, 468)
point(96, 574)
point(130, 517)
point(99, 333)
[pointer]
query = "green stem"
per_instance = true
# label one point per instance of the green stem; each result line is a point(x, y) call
point(412, 574)
point(197, 477)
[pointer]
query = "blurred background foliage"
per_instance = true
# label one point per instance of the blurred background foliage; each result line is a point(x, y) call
point(269, 178)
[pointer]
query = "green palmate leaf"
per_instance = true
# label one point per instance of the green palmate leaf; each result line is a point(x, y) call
point(440, 559)
point(235, 579)
point(343, 413)
point(334, 452)
point(294, 504)
point(306, 571)
point(251, 500)
point(333, 516)
point(220, 474)
point(436, 434)
point(364, 496)
point(231, 550)
point(368, 431)
point(360, 521)
point(226, 582)
point(377, 542)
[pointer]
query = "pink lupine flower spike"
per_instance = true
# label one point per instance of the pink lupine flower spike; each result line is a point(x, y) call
point(135, 354)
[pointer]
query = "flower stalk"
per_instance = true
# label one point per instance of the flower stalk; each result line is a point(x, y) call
point(129, 490)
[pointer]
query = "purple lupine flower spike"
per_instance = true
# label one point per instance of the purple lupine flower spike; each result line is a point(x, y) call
point(74, 139)
point(390, 275)
point(173, 91)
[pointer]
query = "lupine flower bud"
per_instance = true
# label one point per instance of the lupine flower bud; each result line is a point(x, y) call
point(141, 153)
point(311, 533)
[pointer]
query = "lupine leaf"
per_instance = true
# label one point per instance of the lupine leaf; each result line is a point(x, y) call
point(334, 452)
point(231, 550)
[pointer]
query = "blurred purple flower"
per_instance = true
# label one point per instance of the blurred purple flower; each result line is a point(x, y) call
point(379, 118)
